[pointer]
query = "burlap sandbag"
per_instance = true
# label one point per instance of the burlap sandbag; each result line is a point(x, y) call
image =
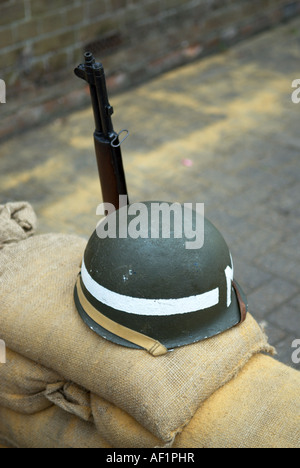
point(88, 378)
point(259, 408)
point(17, 221)
point(50, 428)
point(29, 388)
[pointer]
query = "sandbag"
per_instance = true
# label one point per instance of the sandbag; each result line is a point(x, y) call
point(17, 222)
point(128, 397)
point(50, 428)
point(259, 408)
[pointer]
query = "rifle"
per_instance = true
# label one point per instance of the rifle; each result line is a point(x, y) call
point(106, 140)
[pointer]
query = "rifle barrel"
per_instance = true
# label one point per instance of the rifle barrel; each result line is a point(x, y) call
point(88, 66)
point(105, 108)
point(107, 145)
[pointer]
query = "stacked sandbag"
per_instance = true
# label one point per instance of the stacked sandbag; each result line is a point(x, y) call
point(260, 408)
point(17, 222)
point(64, 386)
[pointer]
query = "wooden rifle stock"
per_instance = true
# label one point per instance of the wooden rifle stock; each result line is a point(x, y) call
point(111, 172)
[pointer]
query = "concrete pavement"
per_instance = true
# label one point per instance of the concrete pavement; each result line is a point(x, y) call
point(231, 116)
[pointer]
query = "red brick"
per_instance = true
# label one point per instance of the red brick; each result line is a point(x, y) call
point(12, 12)
point(6, 37)
point(96, 30)
point(52, 23)
point(54, 42)
point(74, 15)
point(43, 7)
point(10, 58)
point(25, 30)
point(57, 60)
point(118, 4)
point(96, 9)
point(170, 4)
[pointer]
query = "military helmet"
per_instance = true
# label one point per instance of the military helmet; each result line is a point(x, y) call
point(151, 292)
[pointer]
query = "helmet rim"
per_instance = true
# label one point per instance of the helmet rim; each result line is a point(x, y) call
point(208, 327)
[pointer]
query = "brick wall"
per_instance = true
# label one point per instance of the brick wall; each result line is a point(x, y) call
point(41, 40)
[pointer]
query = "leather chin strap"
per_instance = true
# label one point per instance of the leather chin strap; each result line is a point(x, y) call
point(242, 305)
point(154, 347)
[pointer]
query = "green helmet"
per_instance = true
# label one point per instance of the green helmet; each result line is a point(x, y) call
point(152, 292)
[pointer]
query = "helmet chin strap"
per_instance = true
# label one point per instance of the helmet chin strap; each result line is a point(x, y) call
point(242, 305)
point(154, 347)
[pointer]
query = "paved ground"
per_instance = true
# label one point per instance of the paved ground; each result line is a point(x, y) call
point(233, 117)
